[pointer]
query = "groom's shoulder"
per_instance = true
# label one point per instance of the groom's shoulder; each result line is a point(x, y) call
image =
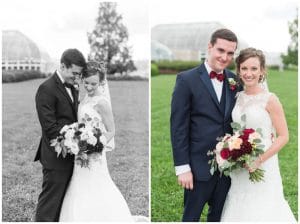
point(48, 83)
point(190, 73)
point(230, 73)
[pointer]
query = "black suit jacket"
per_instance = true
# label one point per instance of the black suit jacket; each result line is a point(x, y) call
point(197, 119)
point(55, 109)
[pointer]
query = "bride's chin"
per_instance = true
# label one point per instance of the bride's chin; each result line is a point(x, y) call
point(90, 93)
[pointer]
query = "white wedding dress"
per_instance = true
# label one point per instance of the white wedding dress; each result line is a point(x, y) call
point(92, 194)
point(262, 201)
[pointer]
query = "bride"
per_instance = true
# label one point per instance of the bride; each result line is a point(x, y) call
point(91, 194)
point(262, 201)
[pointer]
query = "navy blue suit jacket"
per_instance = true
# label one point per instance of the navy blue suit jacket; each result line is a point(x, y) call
point(197, 119)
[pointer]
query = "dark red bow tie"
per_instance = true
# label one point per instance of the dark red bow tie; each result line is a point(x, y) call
point(219, 77)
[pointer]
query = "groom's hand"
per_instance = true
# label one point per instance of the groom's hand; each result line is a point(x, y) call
point(186, 180)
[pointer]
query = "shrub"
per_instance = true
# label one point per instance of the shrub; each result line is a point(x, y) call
point(175, 66)
point(154, 70)
point(126, 78)
point(18, 75)
point(232, 66)
point(273, 67)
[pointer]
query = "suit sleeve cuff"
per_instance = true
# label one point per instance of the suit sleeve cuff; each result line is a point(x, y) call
point(182, 169)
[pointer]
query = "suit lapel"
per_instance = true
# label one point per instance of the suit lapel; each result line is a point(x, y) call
point(64, 91)
point(229, 92)
point(76, 93)
point(206, 80)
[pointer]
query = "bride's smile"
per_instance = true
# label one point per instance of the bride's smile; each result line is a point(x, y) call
point(251, 72)
point(91, 84)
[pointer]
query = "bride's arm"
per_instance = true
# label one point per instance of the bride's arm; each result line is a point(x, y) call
point(105, 111)
point(276, 112)
point(275, 109)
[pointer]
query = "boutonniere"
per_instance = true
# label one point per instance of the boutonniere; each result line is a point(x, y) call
point(232, 84)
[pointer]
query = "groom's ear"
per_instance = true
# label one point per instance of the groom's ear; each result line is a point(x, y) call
point(62, 66)
point(209, 46)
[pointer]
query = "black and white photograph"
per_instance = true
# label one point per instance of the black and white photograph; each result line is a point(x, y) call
point(75, 111)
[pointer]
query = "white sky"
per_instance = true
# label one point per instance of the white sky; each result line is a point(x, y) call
point(262, 24)
point(56, 25)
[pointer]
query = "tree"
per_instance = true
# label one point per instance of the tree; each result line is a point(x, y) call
point(292, 53)
point(108, 41)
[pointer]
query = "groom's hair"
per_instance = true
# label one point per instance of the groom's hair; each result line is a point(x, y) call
point(73, 56)
point(225, 34)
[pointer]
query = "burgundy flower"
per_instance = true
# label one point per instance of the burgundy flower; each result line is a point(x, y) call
point(235, 154)
point(246, 148)
point(246, 134)
point(248, 131)
point(244, 137)
point(232, 87)
point(225, 153)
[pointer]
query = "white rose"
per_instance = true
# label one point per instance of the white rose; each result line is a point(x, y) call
point(65, 128)
point(219, 159)
point(69, 134)
point(92, 140)
point(253, 136)
point(68, 143)
point(84, 136)
point(219, 146)
point(74, 148)
point(103, 140)
point(74, 125)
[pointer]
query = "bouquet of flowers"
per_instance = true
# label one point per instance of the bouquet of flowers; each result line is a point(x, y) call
point(80, 139)
point(237, 151)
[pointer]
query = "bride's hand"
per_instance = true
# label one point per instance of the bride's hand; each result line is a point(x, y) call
point(254, 165)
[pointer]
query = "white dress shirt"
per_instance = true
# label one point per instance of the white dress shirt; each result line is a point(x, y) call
point(218, 87)
point(63, 81)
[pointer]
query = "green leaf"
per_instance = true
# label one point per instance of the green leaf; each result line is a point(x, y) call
point(235, 125)
point(257, 140)
point(212, 170)
point(259, 130)
point(226, 173)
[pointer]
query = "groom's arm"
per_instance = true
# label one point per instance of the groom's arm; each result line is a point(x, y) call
point(45, 105)
point(180, 125)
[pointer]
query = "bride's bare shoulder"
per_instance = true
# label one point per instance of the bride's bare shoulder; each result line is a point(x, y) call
point(273, 103)
point(102, 103)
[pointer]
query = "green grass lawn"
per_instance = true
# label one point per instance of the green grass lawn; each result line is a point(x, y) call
point(128, 163)
point(166, 195)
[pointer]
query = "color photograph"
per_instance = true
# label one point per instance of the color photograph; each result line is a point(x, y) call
point(224, 95)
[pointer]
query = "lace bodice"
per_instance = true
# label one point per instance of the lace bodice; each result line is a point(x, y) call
point(254, 107)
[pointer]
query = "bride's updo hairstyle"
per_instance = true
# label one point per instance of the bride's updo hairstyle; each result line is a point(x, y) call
point(95, 68)
point(250, 52)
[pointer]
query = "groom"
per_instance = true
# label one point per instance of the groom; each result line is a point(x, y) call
point(56, 104)
point(200, 112)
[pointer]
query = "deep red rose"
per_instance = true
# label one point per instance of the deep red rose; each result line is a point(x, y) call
point(225, 153)
point(246, 148)
point(235, 154)
point(246, 134)
point(232, 87)
point(244, 137)
point(248, 131)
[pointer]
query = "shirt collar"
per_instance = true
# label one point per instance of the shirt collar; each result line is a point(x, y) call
point(208, 68)
point(60, 77)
